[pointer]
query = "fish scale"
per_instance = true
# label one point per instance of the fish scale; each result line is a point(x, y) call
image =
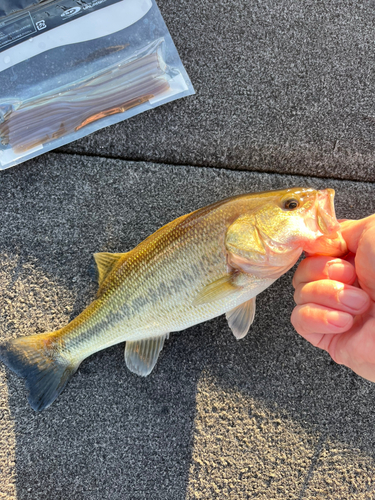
point(199, 266)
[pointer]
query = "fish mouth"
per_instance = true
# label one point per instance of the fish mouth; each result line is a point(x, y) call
point(331, 241)
point(325, 210)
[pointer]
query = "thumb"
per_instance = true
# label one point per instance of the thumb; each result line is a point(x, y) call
point(360, 238)
point(352, 230)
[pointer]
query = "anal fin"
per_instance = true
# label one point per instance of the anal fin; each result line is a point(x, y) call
point(241, 317)
point(141, 356)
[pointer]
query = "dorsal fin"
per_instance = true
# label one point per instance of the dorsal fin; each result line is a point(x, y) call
point(106, 262)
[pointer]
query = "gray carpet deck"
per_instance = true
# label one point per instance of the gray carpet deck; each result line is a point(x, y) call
point(267, 417)
point(285, 96)
point(283, 87)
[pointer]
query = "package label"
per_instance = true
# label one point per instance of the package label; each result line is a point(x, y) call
point(22, 25)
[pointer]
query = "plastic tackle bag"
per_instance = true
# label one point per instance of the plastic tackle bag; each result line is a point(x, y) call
point(71, 67)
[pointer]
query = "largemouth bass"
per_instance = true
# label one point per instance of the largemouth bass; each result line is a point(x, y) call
point(204, 264)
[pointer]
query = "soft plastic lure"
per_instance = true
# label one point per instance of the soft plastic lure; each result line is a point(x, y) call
point(114, 90)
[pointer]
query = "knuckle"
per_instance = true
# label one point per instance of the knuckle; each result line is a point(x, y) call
point(298, 321)
point(294, 319)
point(297, 278)
point(297, 295)
point(305, 313)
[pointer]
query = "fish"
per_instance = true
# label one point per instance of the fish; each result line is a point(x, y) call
point(210, 262)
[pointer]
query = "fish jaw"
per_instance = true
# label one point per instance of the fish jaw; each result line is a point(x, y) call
point(274, 266)
point(326, 217)
point(322, 220)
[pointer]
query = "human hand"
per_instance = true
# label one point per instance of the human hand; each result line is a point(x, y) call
point(336, 300)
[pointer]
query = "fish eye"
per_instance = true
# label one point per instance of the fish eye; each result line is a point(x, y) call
point(291, 204)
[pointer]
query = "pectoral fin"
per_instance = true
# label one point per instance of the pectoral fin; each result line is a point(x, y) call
point(217, 290)
point(141, 356)
point(241, 317)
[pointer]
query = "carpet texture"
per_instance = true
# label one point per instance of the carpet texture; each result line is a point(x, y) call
point(285, 97)
point(266, 417)
point(282, 87)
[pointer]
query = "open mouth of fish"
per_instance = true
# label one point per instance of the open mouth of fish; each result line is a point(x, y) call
point(326, 217)
point(331, 242)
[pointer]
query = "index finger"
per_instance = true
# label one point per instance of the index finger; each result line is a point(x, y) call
point(322, 267)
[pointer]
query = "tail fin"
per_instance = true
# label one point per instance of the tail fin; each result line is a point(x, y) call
point(39, 360)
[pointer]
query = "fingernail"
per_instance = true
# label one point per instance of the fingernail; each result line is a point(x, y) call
point(352, 298)
point(334, 267)
point(339, 319)
point(340, 270)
